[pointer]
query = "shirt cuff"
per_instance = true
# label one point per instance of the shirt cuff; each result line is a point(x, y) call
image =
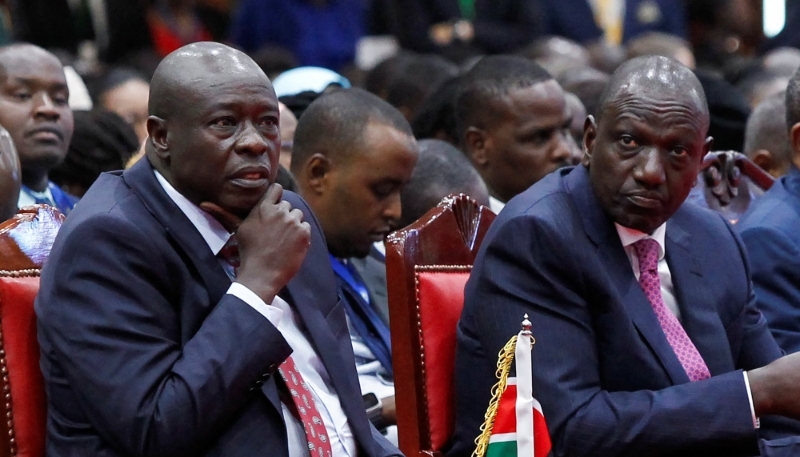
point(273, 314)
point(756, 421)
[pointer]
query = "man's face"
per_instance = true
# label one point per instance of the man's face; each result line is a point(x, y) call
point(34, 109)
point(223, 147)
point(528, 140)
point(644, 156)
point(362, 195)
point(129, 100)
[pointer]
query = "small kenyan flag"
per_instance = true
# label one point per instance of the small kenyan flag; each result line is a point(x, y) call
point(514, 425)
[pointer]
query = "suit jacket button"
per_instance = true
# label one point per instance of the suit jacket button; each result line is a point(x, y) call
point(259, 382)
point(265, 376)
point(272, 368)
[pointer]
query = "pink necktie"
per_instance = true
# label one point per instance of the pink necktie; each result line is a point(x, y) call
point(302, 400)
point(692, 361)
point(318, 443)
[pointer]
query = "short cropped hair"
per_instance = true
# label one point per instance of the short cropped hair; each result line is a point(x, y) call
point(793, 100)
point(766, 129)
point(493, 77)
point(334, 124)
point(441, 170)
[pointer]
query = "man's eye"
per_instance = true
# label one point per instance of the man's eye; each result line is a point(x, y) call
point(628, 141)
point(269, 121)
point(225, 122)
point(22, 95)
point(680, 152)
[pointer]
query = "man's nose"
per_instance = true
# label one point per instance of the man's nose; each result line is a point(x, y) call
point(45, 107)
point(562, 151)
point(251, 141)
point(650, 169)
point(393, 209)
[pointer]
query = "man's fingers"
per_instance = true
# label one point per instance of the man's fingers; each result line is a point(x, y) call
point(274, 193)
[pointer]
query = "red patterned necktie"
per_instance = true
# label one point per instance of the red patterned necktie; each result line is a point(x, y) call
point(230, 254)
point(317, 436)
point(693, 363)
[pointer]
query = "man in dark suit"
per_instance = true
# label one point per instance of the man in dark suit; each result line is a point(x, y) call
point(576, 19)
point(148, 347)
point(353, 153)
point(771, 232)
point(642, 307)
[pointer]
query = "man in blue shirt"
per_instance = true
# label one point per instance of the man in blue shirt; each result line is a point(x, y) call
point(34, 109)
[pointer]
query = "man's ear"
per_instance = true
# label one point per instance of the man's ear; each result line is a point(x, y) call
point(589, 137)
point(476, 143)
point(794, 139)
point(707, 146)
point(317, 170)
point(157, 136)
point(764, 159)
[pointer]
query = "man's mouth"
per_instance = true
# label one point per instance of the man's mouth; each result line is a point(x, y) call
point(250, 177)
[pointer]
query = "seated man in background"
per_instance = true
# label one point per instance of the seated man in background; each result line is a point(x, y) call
point(512, 124)
point(766, 142)
point(193, 340)
point(771, 232)
point(353, 153)
point(648, 338)
point(34, 109)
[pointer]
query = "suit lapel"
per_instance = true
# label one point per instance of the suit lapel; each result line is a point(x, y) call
point(699, 314)
point(143, 182)
point(600, 229)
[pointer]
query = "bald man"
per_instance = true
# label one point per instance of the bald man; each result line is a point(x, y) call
point(648, 340)
point(164, 334)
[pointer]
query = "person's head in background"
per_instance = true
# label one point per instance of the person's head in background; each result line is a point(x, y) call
point(299, 87)
point(661, 44)
point(441, 170)
point(766, 141)
point(783, 59)
point(416, 79)
point(34, 109)
point(793, 116)
point(353, 154)
point(512, 123)
point(381, 75)
point(588, 84)
point(760, 83)
point(102, 141)
point(10, 179)
point(557, 55)
point(436, 117)
point(125, 92)
point(577, 115)
point(288, 126)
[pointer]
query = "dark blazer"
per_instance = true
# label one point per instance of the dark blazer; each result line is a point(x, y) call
point(608, 380)
point(771, 232)
point(501, 26)
point(574, 19)
point(143, 353)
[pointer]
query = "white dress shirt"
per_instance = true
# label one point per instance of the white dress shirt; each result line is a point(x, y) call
point(496, 205)
point(629, 236)
point(282, 316)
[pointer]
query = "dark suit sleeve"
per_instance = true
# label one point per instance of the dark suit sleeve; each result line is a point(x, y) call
point(114, 320)
point(775, 263)
point(546, 269)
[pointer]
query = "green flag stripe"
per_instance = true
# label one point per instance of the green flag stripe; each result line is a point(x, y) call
point(502, 449)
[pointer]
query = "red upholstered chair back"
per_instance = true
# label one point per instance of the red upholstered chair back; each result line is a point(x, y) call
point(730, 181)
point(25, 242)
point(427, 265)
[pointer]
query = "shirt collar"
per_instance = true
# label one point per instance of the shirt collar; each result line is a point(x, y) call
point(628, 236)
point(210, 229)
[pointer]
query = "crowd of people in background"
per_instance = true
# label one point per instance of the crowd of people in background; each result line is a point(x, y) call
point(382, 108)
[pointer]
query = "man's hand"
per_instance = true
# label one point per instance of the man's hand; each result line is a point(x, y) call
point(273, 241)
point(776, 387)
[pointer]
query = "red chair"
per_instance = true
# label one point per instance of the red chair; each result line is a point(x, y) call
point(25, 242)
point(427, 265)
point(729, 180)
